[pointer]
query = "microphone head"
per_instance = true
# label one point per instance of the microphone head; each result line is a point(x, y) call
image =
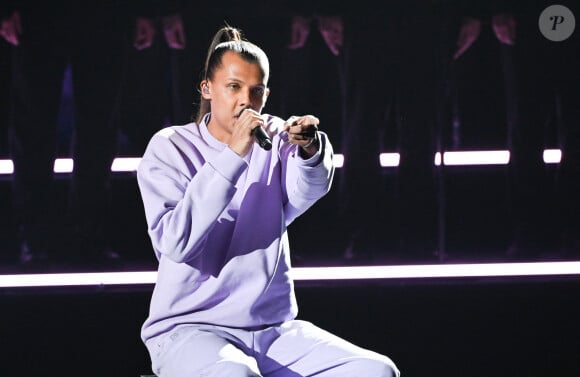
point(262, 138)
point(266, 144)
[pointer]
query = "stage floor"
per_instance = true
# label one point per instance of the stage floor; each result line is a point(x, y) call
point(448, 327)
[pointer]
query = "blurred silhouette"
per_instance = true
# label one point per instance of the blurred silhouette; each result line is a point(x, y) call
point(545, 199)
point(46, 38)
point(313, 66)
point(484, 109)
point(478, 110)
point(5, 76)
point(155, 90)
point(391, 214)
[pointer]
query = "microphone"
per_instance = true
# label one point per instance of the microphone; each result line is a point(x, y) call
point(262, 138)
point(260, 134)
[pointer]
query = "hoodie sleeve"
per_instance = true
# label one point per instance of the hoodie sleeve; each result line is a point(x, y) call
point(306, 181)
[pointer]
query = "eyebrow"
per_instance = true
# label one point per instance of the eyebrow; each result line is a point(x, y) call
point(230, 79)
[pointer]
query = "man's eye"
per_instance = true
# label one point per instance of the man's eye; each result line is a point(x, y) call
point(258, 91)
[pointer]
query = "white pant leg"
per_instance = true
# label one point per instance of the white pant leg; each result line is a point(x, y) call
point(196, 351)
point(299, 348)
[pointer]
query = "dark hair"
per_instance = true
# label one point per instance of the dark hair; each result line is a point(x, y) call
point(230, 39)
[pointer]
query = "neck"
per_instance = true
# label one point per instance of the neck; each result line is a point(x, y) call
point(218, 132)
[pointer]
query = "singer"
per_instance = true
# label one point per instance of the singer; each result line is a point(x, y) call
point(218, 206)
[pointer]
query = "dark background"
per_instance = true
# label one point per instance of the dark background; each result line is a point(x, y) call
point(404, 93)
point(430, 327)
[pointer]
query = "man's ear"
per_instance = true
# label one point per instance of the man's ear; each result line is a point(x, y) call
point(205, 91)
point(266, 95)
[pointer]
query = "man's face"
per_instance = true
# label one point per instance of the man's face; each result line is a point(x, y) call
point(236, 85)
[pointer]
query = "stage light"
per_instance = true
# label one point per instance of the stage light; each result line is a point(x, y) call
point(438, 271)
point(552, 156)
point(389, 159)
point(500, 157)
point(427, 271)
point(338, 160)
point(63, 165)
point(78, 279)
point(392, 159)
point(437, 161)
point(120, 164)
point(125, 164)
point(6, 167)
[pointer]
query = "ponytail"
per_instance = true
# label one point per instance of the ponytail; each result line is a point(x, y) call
point(229, 39)
point(225, 34)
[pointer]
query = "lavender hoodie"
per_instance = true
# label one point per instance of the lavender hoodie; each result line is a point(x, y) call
point(217, 223)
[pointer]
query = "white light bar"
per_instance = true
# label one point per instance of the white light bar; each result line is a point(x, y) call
point(389, 159)
point(500, 157)
point(314, 273)
point(552, 156)
point(437, 271)
point(6, 167)
point(125, 164)
point(338, 160)
point(437, 161)
point(63, 165)
point(77, 279)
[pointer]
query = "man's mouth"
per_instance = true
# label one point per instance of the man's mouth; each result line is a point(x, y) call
point(242, 110)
